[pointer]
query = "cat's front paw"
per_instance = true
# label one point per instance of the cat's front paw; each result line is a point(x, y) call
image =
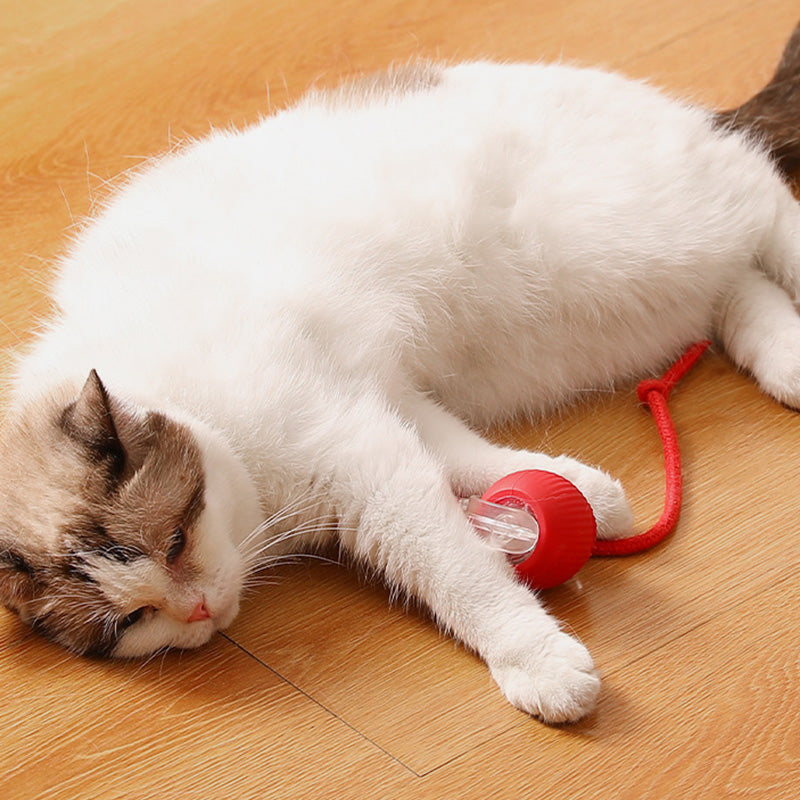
point(605, 495)
point(555, 681)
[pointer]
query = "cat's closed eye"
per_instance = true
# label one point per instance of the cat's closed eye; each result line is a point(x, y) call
point(132, 618)
point(177, 545)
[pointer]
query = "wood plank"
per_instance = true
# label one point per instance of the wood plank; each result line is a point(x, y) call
point(714, 714)
point(209, 723)
point(721, 64)
point(385, 671)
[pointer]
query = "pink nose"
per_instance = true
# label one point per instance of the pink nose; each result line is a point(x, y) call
point(199, 612)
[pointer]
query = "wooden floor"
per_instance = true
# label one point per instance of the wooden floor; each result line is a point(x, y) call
point(320, 690)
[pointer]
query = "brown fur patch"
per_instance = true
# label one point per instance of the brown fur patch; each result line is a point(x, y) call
point(773, 115)
point(166, 492)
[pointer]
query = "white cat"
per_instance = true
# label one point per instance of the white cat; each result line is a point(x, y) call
point(294, 326)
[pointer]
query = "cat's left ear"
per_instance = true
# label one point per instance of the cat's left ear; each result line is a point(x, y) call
point(89, 421)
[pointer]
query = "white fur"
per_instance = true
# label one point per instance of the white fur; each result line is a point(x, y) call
point(341, 289)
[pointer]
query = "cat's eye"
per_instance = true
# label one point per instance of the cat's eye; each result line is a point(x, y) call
point(176, 545)
point(132, 618)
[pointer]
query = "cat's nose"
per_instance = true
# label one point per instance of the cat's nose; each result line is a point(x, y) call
point(199, 612)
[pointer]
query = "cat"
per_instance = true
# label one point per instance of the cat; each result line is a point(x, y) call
point(276, 339)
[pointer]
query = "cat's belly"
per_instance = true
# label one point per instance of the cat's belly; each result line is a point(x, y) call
point(536, 366)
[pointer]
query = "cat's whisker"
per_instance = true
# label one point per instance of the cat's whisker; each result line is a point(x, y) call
point(270, 562)
point(300, 506)
point(285, 512)
point(261, 558)
point(255, 559)
point(281, 538)
point(310, 526)
point(164, 651)
point(141, 665)
point(296, 558)
point(249, 587)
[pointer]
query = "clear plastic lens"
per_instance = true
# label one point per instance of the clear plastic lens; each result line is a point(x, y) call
point(511, 530)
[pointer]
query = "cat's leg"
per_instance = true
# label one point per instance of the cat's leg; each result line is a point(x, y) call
point(473, 464)
point(779, 252)
point(760, 328)
point(397, 513)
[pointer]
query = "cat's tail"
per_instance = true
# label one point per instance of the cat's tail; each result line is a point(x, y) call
point(773, 115)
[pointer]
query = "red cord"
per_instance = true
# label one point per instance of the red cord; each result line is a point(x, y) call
point(654, 393)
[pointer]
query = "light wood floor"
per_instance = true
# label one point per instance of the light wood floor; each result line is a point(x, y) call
point(320, 690)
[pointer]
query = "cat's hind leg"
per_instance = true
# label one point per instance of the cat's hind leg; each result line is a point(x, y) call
point(473, 464)
point(779, 251)
point(757, 319)
point(760, 329)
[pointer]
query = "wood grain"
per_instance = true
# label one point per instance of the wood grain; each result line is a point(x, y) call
point(189, 725)
point(714, 715)
point(322, 689)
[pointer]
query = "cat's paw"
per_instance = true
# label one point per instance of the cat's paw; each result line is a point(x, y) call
point(778, 373)
point(555, 681)
point(605, 495)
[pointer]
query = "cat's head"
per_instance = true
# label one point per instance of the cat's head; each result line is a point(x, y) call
point(117, 537)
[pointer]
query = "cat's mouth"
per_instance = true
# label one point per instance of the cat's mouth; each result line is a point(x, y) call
point(163, 632)
point(225, 615)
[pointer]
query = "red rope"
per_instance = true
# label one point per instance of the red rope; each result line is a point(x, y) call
point(654, 393)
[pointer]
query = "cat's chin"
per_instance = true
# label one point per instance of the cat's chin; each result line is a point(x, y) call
point(162, 634)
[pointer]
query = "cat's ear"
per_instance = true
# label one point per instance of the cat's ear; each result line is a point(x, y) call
point(90, 421)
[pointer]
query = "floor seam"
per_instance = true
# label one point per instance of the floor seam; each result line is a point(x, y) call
point(320, 705)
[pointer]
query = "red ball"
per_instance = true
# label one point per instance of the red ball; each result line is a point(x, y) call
point(567, 527)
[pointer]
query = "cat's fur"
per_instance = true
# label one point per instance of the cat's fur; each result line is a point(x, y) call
point(293, 327)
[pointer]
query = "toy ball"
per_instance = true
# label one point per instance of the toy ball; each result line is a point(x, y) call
point(546, 526)
point(541, 521)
